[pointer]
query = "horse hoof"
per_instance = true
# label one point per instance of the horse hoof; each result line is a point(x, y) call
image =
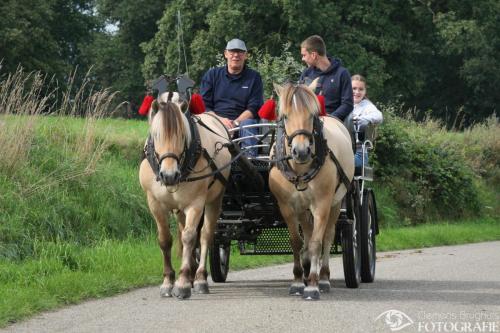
point(181, 293)
point(324, 286)
point(311, 293)
point(166, 291)
point(296, 289)
point(201, 287)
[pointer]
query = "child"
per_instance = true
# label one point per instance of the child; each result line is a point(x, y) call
point(364, 112)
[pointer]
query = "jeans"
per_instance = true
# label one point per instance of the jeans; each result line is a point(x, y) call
point(248, 132)
point(358, 158)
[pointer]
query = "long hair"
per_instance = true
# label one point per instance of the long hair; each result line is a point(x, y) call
point(294, 98)
point(170, 124)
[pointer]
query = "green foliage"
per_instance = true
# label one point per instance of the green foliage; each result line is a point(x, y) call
point(116, 58)
point(428, 179)
point(279, 69)
point(45, 36)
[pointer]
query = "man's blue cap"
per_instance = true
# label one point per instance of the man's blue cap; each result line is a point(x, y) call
point(236, 44)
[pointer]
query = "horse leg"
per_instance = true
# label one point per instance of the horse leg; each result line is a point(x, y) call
point(324, 274)
point(307, 227)
point(290, 217)
point(212, 212)
point(182, 287)
point(165, 243)
point(181, 222)
point(315, 248)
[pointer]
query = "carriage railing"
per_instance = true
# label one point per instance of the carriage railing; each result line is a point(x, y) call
point(265, 139)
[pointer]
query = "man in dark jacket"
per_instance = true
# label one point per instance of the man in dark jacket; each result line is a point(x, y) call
point(334, 80)
point(234, 92)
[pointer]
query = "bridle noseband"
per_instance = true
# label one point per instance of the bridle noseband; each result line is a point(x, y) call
point(304, 132)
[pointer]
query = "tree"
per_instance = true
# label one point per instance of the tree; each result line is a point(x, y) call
point(45, 35)
point(117, 57)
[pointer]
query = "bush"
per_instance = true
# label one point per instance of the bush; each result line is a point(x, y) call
point(428, 179)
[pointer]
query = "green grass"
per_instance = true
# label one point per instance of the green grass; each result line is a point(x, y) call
point(67, 273)
point(428, 235)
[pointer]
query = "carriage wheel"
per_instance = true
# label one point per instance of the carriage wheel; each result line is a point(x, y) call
point(368, 246)
point(351, 240)
point(219, 261)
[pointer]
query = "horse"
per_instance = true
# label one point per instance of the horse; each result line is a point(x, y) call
point(184, 174)
point(312, 173)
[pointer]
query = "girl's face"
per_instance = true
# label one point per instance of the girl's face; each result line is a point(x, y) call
point(358, 91)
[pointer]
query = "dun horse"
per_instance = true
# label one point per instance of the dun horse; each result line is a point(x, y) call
point(181, 177)
point(314, 169)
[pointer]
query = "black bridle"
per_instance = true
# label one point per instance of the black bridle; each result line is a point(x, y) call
point(304, 132)
point(190, 156)
point(321, 150)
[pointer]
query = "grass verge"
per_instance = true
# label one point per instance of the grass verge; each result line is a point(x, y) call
point(67, 273)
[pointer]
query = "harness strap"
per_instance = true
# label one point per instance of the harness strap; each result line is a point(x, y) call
point(193, 152)
point(343, 176)
point(191, 156)
point(215, 171)
point(149, 151)
point(321, 149)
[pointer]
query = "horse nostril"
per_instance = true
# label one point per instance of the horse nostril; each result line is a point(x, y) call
point(308, 150)
point(294, 151)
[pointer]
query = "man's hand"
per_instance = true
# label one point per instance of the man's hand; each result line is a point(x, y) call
point(228, 123)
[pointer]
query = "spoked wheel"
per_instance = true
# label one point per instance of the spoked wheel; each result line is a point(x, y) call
point(351, 240)
point(219, 261)
point(368, 246)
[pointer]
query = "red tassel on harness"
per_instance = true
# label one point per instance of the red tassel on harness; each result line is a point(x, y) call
point(196, 105)
point(268, 110)
point(321, 100)
point(146, 105)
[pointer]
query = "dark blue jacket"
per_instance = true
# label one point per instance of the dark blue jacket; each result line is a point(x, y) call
point(336, 87)
point(229, 95)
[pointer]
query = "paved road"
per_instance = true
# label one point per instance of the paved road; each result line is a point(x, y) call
point(444, 289)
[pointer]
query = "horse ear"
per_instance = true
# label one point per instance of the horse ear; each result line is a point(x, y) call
point(278, 88)
point(313, 84)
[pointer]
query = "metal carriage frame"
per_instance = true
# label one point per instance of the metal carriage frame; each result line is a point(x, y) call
point(250, 215)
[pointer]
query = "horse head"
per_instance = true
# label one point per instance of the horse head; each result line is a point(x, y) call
point(298, 108)
point(171, 135)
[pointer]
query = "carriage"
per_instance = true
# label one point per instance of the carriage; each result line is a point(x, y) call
point(251, 219)
point(306, 175)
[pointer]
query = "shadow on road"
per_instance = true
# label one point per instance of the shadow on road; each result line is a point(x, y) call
point(462, 292)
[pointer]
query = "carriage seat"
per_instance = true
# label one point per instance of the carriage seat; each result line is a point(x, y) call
point(365, 139)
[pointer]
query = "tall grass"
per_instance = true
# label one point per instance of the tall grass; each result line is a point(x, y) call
point(20, 94)
point(24, 98)
point(51, 148)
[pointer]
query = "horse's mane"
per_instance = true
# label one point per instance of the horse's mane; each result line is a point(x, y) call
point(169, 123)
point(298, 97)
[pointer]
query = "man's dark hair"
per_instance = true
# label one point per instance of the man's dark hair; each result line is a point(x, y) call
point(314, 43)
